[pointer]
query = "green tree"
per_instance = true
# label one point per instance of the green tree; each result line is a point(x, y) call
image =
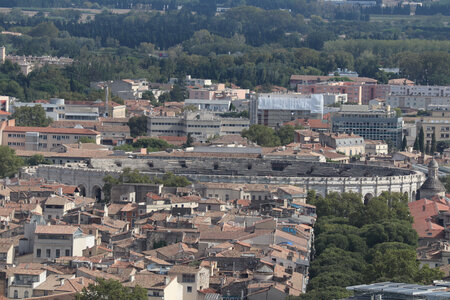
point(416, 144)
point(398, 112)
point(421, 140)
point(262, 135)
point(189, 141)
point(9, 162)
point(37, 159)
point(442, 145)
point(86, 140)
point(148, 95)
point(433, 148)
point(111, 289)
point(138, 125)
point(404, 143)
point(47, 29)
point(286, 134)
point(31, 116)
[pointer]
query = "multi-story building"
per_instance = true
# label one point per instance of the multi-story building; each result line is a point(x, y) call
point(329, 99)
point(349, 144)
point(201, 125)
point(418, 96)
point(56, 207)
point(357, 92)
point(376, 147)
point(370, 123)
point(55, 241)
point(217, 106)
point(192, 279)
point(276, 109)
point(41, 138)
point(22, 282)
point(125, 89)
point(438, 122)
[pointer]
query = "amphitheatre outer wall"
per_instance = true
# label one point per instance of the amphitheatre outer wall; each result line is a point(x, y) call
point(369, 181)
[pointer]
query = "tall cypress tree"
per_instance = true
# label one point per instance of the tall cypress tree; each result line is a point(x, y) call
point(421, 140)
point(404, 143)
point(433, 143)
point(416, 144)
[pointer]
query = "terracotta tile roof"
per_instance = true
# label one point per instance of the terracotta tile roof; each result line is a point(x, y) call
point(51, 130)
point(422, 211)
point(310, 123)
point(56, 229)
point(180, 269)
point(75, 285)
point(72, 124)
point(23, 271)
point(148, 280)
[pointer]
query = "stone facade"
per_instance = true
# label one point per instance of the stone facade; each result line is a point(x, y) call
point(322, 177)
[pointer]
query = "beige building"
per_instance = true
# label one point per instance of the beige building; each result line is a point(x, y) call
point(7, 252)
point(157, 286)
point(376, 147)
point(201, 125)
point(191, 279)
point(22, 282)
point(55, 241)
point(348, 144)
point(438, 122)
point(56, 207)
point(42, 138)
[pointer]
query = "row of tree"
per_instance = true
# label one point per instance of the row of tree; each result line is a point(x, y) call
point(357, 243)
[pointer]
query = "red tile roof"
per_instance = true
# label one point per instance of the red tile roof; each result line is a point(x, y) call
point(311, 123)
point(422, 211)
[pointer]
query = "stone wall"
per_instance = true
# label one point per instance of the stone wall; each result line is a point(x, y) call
point(322, 177)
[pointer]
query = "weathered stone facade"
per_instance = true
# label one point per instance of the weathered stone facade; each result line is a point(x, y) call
point(369, 181)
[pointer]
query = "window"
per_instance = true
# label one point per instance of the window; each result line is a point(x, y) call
point(16, 294)
point(38, 252)
point(58, 253)
point(67, 252)
point(188, 278)
point(26, 294)
point(189, 289)
point(47, 253)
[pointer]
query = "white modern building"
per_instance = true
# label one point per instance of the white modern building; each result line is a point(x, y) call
point(418, 96)
point(274, 109)
point(216, 106)
point(55, 241)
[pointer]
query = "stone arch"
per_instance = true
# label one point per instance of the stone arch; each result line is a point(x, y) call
point(97, 193)
point(413, 196)
point(367, 198)
point(82, 189)
point(406, 195)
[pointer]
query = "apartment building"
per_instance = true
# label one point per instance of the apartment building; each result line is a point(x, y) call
point(349, 144)
point(418, 96)
point(41, 138)
point(376, 147)
point(216, 106)
point(369, 122)
point(193, 280)
point(126, 89)
point(62, 110)
point(55, 241)
point(55, 207)
point(201, 125)
point(438, 122)
point(275, 109)
point(23, 281)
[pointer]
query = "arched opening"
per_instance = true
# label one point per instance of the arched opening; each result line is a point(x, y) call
point(367, 198)
point(413, 196)
point(82, 189)
point(406, 195)
point(97, 193)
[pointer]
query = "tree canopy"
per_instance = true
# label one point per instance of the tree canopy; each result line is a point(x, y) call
point(32, 116)
point(357, 243)
point(111, 289)
point(9, 162)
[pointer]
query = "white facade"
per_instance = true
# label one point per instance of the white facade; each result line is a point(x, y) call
point(59, 242)
point(418, 96)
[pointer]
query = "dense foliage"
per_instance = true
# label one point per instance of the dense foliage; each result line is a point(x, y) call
point(31, 116)
point(268, 137)
point(111, 289)
point(151, 144)
point(357, 243)
point(247, 46)
point(9, 162)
